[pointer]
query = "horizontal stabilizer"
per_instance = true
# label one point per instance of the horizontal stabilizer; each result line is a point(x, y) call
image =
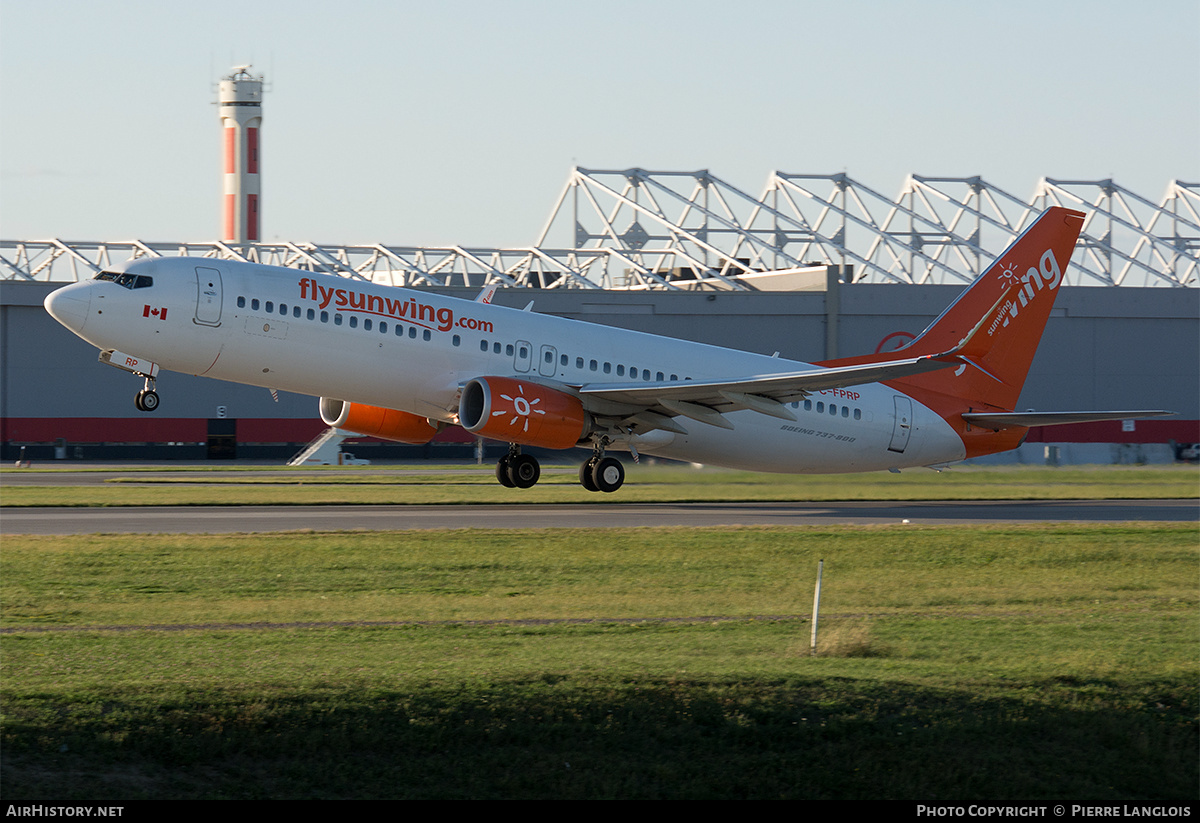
point(1008, 420)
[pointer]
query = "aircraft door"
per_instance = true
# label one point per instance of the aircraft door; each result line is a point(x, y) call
point(546, 367)
point(903, 425)
point(208, 296)
point(523, 356)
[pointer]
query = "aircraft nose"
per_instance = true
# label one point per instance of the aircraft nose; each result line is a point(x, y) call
point(69, 305)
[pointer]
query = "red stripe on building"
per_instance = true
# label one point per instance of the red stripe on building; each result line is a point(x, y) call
point(252, 217)
point(252, 151)
point(106, 430)
point(1159, 430)
point(230, 217)
point(303, 429)
point(230, 151)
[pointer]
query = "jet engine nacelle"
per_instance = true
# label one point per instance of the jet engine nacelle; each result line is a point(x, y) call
point(386, 424)
point(517, 411)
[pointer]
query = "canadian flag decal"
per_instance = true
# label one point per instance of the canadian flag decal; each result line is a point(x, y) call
point(161, 314)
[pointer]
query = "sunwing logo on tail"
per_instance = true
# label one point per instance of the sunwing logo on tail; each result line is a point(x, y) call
point(1046, 275)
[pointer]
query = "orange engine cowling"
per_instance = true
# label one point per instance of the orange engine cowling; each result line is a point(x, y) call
point(517, 411)
point(386, 424)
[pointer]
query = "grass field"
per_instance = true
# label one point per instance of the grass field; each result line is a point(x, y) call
point(956, 664)
point(644, 484)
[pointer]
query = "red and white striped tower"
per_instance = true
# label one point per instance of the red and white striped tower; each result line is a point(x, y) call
point(241, 118)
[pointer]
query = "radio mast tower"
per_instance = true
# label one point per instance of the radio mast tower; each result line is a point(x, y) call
point(240, 99)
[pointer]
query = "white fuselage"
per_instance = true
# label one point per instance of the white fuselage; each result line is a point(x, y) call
point(409, 350)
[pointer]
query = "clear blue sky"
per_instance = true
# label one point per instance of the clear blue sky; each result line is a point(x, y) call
point(426, 123)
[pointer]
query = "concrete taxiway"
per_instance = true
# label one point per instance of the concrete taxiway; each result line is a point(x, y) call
point(218, 519)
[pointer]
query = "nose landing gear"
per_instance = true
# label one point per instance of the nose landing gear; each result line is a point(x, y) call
point(147, 399)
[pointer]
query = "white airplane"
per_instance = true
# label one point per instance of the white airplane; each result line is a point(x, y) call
point(400, 365)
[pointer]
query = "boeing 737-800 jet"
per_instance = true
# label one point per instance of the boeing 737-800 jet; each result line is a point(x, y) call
point(400, 364)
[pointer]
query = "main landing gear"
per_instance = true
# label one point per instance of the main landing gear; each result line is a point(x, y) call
point(598, 474)
point(516, 470)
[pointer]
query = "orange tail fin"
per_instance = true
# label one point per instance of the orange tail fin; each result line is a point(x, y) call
point(1025, 279)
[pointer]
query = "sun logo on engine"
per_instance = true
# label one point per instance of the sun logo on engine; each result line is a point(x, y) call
point(521, 407)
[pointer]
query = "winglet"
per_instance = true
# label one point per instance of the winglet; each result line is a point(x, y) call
point(487, 294)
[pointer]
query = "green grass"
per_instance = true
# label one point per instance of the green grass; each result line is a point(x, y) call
point(957, 664)
point(644, 484)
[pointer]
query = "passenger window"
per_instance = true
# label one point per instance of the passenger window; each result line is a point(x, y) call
point(593, 365)
point(283, 309)
point(483, 346)
point(607, 367)
point(496, 348)
point(354, 321)
point(508, 350)
point(427, 335)
point(367, 324)
point(269, 306)
point(456, 340)
point(296, 311)
point(382, 327)
point(858, 414)
point(324, 317)
point(412, 332)
point(579, 362)
point(820, 408)
point(845, 411)
point(241, 302)
point(312, 313)
point(808, 405)
point(254, 304)
point(337, 320)
point(620, 370)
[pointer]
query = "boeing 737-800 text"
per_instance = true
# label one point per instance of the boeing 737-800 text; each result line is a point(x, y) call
point(400, 364)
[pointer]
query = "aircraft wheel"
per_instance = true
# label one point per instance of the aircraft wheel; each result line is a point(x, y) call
point(502, 473)
point(585, 475)
point(524, 471)
point(608, 474)
point(149, 401)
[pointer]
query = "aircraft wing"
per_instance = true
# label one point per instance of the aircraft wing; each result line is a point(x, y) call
point(1008, 420)
point(653, 404)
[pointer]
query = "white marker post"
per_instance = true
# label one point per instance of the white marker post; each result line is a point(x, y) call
point(816, 607)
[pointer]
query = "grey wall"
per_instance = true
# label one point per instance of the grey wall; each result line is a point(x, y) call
point(1104, 348)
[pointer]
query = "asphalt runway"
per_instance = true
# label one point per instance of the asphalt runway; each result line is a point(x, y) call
point(219, 519)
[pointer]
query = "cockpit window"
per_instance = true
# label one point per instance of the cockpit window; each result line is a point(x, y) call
point(129, 281)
